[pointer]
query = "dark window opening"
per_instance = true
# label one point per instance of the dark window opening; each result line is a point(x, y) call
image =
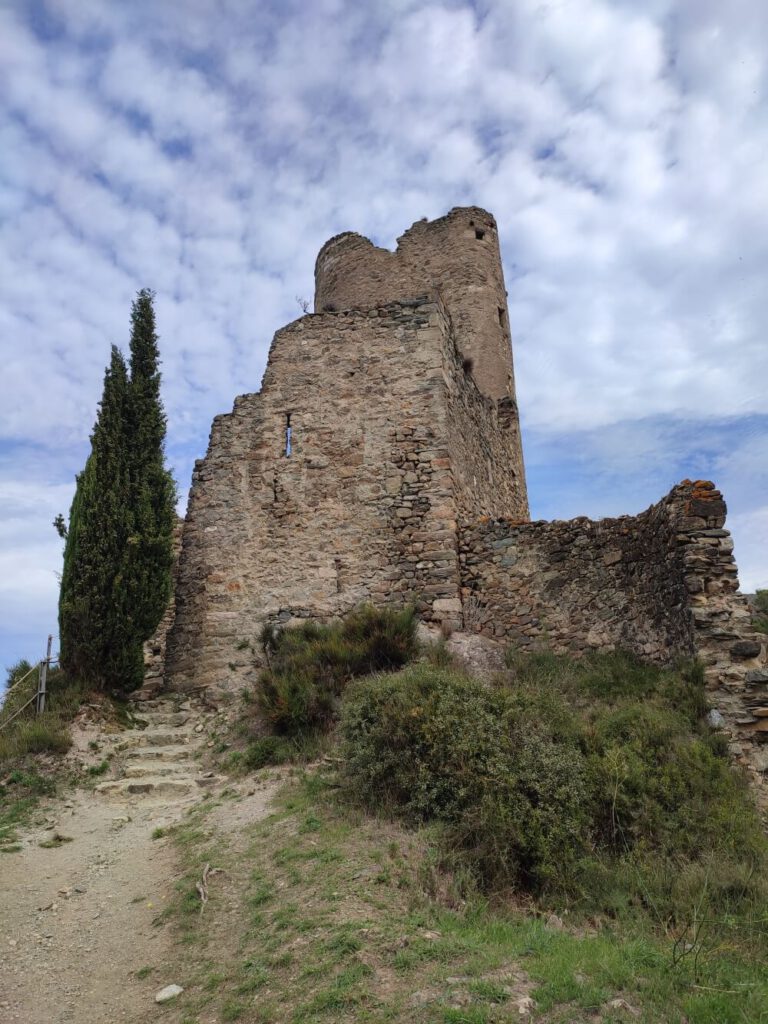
point(501, 316)
point(479, 234)
point(471, 223)
point(288, 438)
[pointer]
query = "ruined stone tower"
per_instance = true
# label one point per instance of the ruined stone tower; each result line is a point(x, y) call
point(383, 418)
point(381, 461)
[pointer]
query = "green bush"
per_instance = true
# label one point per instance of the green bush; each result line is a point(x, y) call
point(597, 780)
point(434, 744)
point(310, 665)
point(761, 609)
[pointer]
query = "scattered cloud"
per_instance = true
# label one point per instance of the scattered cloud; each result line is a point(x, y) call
point(619, 144)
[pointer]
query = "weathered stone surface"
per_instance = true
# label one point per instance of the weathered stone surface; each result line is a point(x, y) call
point(745, 649)
point(169, 992)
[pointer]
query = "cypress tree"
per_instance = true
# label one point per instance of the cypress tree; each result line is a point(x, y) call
point(100, 523)
point(116, 579)
point(153, 492)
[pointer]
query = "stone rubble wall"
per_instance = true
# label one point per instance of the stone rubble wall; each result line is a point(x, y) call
point(363, 509)
point(662, 584)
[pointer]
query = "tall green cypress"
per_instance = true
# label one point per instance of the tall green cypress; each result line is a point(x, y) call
point(116, 580)
point(153, 492)
point(100, 524)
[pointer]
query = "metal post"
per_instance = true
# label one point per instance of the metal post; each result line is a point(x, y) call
point(43, 677)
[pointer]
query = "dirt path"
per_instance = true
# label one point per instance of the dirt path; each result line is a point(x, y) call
point(76, 920)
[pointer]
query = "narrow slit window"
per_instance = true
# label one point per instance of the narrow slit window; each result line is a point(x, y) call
point(501, 317)
point(288, 438)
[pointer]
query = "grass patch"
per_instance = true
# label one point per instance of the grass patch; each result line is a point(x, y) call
point(29, 734)
point(19, 794)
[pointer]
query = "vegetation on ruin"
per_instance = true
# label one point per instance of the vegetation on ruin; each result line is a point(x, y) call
point(596, 784)
point(310, 665)
point(117, 558)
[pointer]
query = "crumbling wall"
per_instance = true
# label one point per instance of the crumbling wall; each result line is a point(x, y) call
point(363, 507)
point(577, 584)
point(662, 584)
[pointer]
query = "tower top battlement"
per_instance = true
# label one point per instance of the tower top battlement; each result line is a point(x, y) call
point(459, 256)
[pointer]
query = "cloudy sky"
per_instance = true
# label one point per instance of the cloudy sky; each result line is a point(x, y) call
point(207, 148)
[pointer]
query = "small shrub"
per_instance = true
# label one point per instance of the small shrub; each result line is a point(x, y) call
point(308, 666)
point(263, 752)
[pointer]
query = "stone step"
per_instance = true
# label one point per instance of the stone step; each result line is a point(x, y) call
point(181, 752)
point(156, 719)
point(142, 707)
point(148, 786)
point(150, 738)
point(155, 786)
point(139, 769)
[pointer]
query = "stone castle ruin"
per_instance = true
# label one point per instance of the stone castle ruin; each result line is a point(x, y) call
point(382, 462)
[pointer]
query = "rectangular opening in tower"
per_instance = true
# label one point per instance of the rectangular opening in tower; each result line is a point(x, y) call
point(288, 438)
point(479, 233)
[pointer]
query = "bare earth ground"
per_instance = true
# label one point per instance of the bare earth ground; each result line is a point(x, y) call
point(76, 921)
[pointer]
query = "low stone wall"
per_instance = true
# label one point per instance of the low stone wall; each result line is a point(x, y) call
point(662, 584)
point(577, 585)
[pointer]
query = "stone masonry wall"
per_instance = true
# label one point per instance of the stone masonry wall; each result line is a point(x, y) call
point(364, 507)
point(662, 584)
point(576, 585)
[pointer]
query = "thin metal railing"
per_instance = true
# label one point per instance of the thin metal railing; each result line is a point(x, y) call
point(40, 694)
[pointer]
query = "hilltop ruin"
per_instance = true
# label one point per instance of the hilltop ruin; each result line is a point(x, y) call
point(382, 461)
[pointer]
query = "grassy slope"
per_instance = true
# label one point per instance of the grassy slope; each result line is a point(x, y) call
point(327, 915)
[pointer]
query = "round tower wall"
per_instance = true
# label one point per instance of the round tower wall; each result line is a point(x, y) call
point(457, 254)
